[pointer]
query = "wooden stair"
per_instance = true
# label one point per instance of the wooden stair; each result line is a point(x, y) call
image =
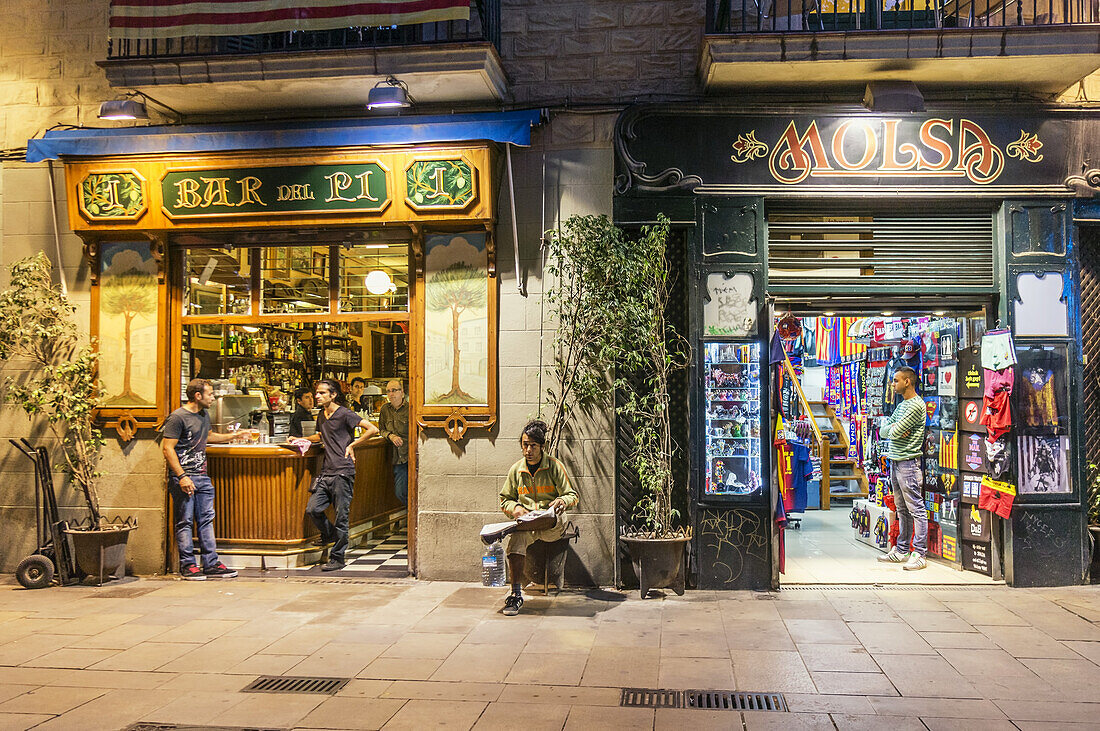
point(837, 471)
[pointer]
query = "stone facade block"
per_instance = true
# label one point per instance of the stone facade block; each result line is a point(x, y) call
point(687, 12)
point(536, 45)
point(605, 15)
point(648, 13)
point(681, 39)
point(437, 456)
point(633, 40)
point(15, 92)
point(515, 384)
point(658, 66)
point(616, 67)
point(550, 18)
point(573, 129)
point(570, 69)
point(473, 494)
point(590, 43)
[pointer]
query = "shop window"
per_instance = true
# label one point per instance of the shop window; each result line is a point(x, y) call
point(295, 279)
point(374, 278)
point(1041, 306)
point(217, 282)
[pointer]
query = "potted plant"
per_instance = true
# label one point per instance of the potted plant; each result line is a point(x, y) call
point(1093, 506)
point(609, 300)
point(58, 384)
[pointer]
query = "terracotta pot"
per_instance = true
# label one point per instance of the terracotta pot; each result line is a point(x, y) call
point(658, 562)
point(101, 552)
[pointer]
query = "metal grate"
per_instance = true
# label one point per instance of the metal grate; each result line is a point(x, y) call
point(952, 250)
point(728, 700)
point(143, 726)
point(709, 700)
point(650, 698)
point(891, 587)
point(1089, 252)
point(295, 684)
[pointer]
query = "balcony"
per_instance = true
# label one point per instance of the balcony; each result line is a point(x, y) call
point(452, 62)
point(1034, 46)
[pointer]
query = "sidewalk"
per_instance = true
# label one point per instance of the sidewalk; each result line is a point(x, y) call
point(439, 655)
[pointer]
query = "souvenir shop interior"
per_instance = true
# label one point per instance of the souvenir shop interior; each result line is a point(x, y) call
point(833, 392)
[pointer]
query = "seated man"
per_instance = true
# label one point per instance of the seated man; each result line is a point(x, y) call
point(536, 482)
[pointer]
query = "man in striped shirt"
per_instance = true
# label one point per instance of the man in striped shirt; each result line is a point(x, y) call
point(536, 482)
point(905, 430)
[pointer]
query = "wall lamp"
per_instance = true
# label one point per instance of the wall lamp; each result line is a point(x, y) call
point(132, 108)
point(392, 93)
point(893, 96)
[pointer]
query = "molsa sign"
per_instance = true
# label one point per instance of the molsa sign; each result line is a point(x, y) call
point(936, 148)
point(733, 152)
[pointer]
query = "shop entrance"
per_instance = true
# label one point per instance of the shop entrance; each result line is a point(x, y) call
point(266, 316)
point(833, 395)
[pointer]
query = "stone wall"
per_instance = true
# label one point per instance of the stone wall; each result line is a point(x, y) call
point(601, 51)
point(569, 168)
point(133, 484)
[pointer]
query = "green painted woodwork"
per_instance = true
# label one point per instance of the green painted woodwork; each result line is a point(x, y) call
point(434, 184)
point(112, 195)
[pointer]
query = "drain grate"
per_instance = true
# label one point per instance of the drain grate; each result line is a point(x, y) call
point(295, 684)
point(141, 726)
point(710, 700)
point(727, 700)
point(891, 587)
point(650, 698)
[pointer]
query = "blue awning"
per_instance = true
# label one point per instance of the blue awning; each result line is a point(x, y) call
point(504, 127)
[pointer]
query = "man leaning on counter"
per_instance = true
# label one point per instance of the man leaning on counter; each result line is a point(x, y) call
point(336, 426)
point(393, 422)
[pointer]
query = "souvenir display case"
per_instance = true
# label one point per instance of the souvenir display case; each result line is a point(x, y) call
point(732, 421)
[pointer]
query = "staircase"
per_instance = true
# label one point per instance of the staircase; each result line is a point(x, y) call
point(840, 477)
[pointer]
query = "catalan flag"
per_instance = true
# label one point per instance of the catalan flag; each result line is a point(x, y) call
point(182, 18)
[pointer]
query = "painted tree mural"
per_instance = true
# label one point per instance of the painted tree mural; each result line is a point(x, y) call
point(128, 295)
point(455, 288)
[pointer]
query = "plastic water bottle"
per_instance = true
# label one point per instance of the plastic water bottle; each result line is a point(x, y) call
point(492, 565)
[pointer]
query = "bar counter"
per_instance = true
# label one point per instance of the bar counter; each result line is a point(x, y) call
point(261, 491)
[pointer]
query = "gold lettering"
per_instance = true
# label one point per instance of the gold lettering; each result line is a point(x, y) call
point(250, 188)
point(338, 182)
point(364, 188)
point(891, 149)
point(939, 145)
point(187, 193)
point(437, 177)
point(112, 195)
point(216, 193)
point(870, 145)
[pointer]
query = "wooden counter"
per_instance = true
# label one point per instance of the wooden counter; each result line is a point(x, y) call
point(261, 491)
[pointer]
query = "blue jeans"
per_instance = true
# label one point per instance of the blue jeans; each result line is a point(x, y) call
point(906, 481)
point(335, 490)
point(401, 482)
point(197, 508)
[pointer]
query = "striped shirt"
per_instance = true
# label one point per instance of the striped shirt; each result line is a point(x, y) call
point(905, 429)
point(536, 491)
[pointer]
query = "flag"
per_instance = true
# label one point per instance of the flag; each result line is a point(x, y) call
point(180, 18)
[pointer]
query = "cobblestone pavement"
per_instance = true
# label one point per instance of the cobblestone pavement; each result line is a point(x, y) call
point(173, 654)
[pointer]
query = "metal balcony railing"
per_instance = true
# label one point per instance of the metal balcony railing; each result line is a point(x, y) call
point(483, 25)
point(811, 16)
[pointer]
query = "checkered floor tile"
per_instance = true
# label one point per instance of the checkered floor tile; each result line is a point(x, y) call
point(384, 557)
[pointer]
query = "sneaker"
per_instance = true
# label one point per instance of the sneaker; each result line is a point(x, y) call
point(192, 573)
point(333, 565)
point(916, 562)
point(220, 571)
point(512, 605)
point(893, 556)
